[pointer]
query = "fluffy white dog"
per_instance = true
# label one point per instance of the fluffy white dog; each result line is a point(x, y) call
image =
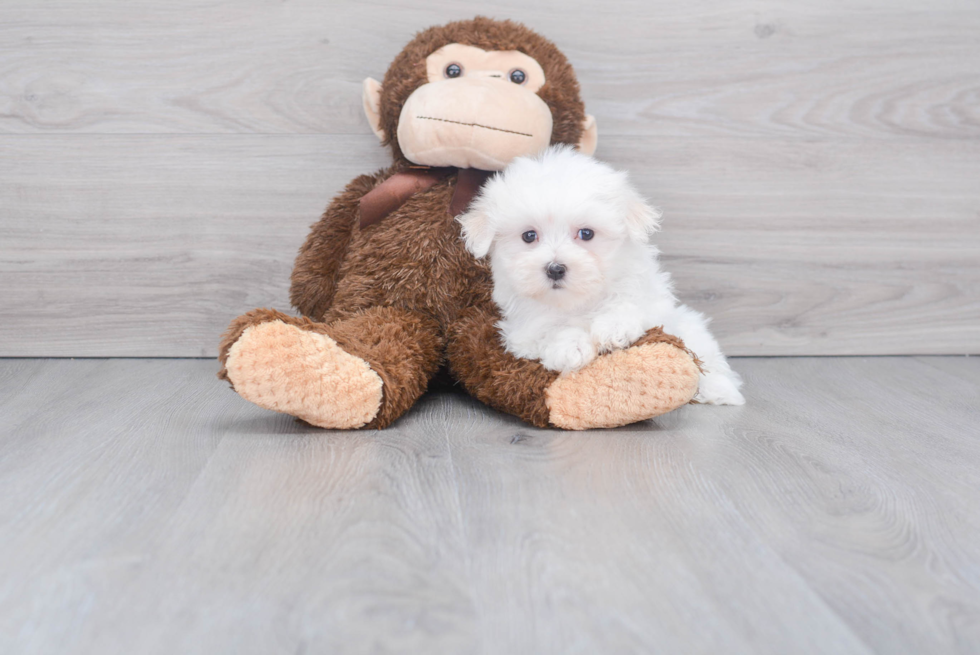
point(574, 271)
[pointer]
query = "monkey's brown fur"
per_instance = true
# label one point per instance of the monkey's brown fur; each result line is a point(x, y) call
point(407, 73)
point(404, 295)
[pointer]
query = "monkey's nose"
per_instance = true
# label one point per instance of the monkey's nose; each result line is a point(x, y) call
point(556, 271)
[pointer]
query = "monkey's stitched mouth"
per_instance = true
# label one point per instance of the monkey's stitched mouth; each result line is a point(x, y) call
point(486, 127)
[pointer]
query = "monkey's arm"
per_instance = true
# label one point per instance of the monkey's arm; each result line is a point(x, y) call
point(314, 278)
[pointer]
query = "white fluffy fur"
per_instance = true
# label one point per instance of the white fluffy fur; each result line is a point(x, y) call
point(613, 290)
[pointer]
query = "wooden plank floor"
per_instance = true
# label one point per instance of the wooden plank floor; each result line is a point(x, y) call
point(145, 508)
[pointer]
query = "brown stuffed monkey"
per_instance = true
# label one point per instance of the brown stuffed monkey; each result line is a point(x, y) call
point(387, 290)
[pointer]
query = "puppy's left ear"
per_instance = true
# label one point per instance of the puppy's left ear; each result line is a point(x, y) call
point(642, 219)
point(477, 233)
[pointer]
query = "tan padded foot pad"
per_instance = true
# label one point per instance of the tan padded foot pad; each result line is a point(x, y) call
point(623, 387)
point(305, 374)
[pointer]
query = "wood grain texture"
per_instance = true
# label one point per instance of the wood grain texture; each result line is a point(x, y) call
point(151, 245)
point(817, 162)
point(776, 68)
point(146, 508)
point(139, 496)
point(122, 245)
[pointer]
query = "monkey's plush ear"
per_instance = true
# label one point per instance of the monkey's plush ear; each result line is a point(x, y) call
point(642, 219)
point(477, 233)
point(590, 136)
point(372, 105)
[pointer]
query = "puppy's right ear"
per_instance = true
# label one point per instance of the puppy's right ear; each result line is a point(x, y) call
point(477, 233)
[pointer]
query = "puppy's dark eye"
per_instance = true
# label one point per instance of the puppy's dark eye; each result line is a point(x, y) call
point(529, 236)
point(517, 76)
point(454, 70)
point(585, 234)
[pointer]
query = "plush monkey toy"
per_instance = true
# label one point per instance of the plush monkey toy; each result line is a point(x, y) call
point(387, 290)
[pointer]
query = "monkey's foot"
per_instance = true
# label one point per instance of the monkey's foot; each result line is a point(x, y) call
point(306, 374)
point(648, 379)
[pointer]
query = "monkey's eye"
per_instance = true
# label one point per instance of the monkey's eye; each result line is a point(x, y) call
point(454, 70)
point(517, 76)
point(585, 234)
point(530, 236)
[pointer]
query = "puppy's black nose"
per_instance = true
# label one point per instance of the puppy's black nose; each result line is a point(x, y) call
point(556, 271)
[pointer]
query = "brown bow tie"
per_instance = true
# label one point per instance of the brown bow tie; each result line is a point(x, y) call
point(397, 189)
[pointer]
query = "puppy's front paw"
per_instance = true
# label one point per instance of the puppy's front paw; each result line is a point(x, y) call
point(718, 389)
point(616, 330)
point(570, 351)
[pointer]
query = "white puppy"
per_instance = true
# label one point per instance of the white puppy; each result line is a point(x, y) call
point(574, 272)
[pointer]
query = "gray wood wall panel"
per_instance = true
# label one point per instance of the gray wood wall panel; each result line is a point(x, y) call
point(818, 163)
point(754, 68)
point(149, 245)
